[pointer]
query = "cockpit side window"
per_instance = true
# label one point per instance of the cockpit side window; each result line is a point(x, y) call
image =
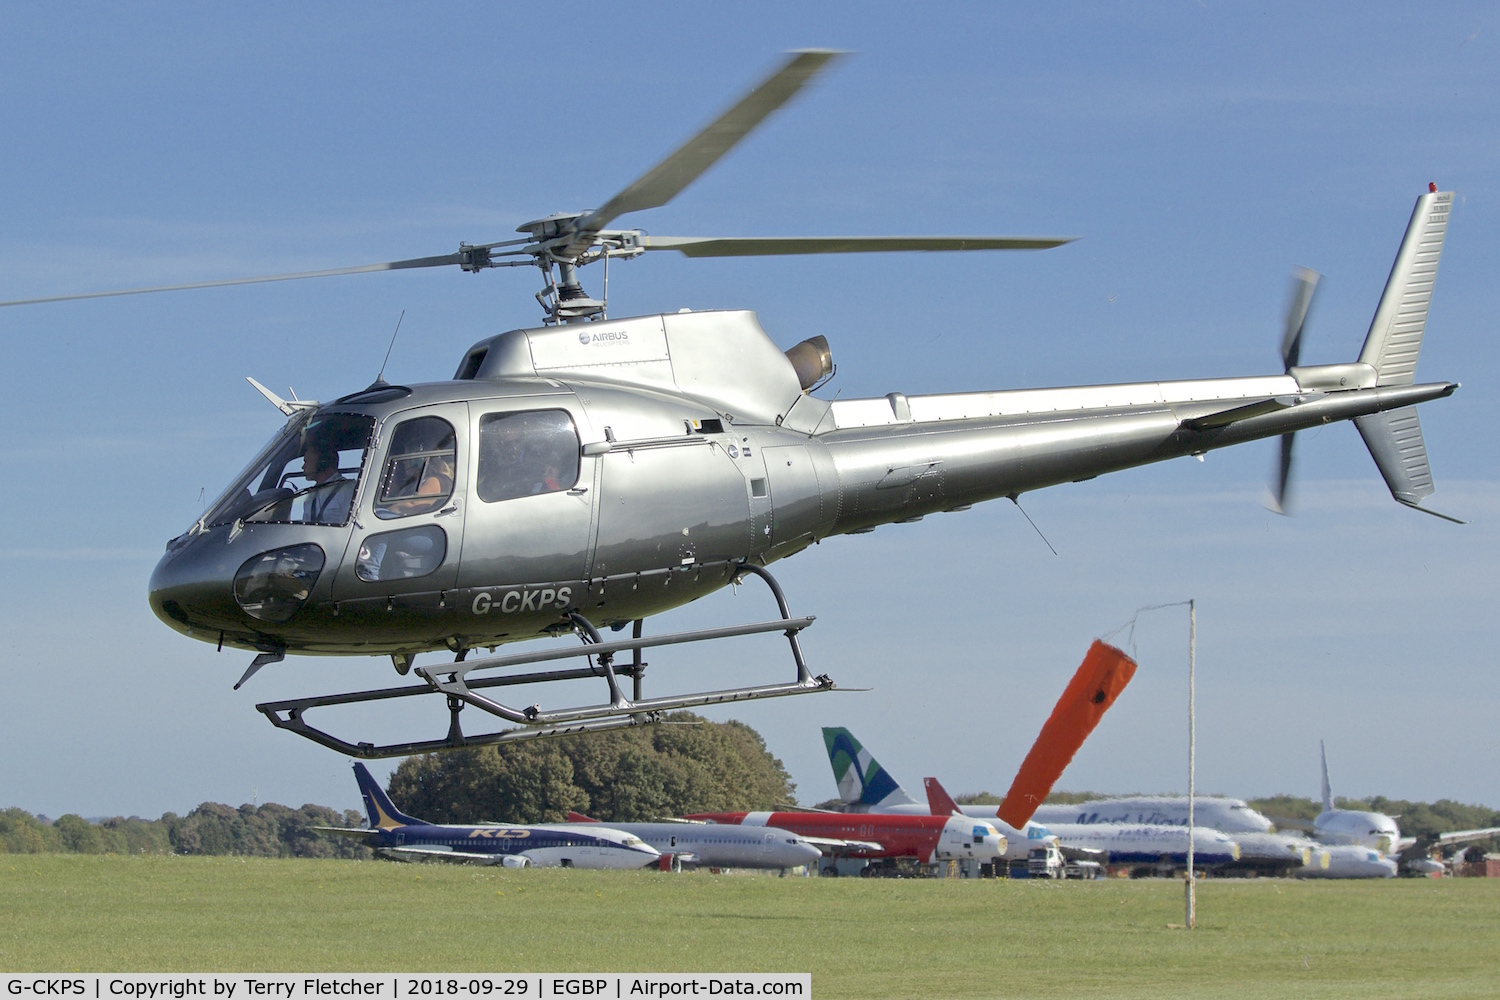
point(521, 454)
point(419, 468)
point(308, 477)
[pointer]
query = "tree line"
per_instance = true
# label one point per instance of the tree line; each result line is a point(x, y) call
point(684, 765)
point(267, 831)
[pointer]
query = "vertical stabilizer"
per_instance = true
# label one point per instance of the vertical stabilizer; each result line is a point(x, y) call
point(383, 813)
point(861, 779)
point(1327, 791)
point(1394, 438)
point(939, 802)
point(1395, 335)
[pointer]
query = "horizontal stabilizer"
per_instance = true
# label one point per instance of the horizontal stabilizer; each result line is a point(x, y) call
point(1257, 409)
point(833, 845)
point(441, 854)
point(346, 831)
point(1394, 438)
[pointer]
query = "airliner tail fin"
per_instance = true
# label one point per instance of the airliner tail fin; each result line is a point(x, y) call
point(938, 799)
point(1327, 790)
point(861, 779)
point(383, 813)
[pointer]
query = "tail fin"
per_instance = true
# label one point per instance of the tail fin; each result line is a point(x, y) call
point(1395, 335)
point(1098, 681)
point(861, 780)
point(383, 814)
point(1327, 790)
point(938, 799)
point(1394, 437)
point(577, 817)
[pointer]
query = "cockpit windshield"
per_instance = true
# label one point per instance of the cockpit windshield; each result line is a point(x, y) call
point(307, 475)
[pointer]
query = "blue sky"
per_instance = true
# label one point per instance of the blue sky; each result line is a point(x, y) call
point(1200, 149)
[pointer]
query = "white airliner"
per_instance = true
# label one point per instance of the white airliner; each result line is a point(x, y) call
point(1358, 844)
point(1365, 844)
point(1355, 827)
point(1213, 811)
point(1263, 850)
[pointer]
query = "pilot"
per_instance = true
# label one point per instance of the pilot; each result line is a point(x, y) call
point(327, 500)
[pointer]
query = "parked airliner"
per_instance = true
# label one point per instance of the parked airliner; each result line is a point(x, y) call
point(1135, 844)
point(1374, 830)
point(1354, 835)
point(399, 837)
point(1216, 812)
point(718, 845)
point(926, 839)
point(866, 787)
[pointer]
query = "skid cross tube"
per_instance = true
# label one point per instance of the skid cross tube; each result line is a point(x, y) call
point(454, 683)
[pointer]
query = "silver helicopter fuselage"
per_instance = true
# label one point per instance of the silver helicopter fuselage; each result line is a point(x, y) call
point(697, 450)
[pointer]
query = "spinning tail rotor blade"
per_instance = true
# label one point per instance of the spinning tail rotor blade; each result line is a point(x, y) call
point(1304, 287)
point(1281, 493)
point(759, 246)
point(663, 182)
point(1304, 290)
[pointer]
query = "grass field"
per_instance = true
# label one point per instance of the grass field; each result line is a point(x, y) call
point(858, 937)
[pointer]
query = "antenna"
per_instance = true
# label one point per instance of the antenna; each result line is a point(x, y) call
point(1015, 499)
point(380, 375)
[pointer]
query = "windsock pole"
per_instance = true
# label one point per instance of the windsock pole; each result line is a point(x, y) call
point(1192, 880)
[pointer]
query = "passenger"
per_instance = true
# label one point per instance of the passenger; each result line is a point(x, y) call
point(328, 499)
point(548, 483)
point(436, 485)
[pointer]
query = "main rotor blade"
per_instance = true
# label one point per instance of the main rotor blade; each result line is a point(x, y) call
point(393, 265)
point(760, 246)
point(662, 182)
point(1304, 287)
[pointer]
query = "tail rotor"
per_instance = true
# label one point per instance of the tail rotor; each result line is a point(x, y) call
point(1304, 289)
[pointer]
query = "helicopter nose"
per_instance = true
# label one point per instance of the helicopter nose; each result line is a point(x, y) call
point(192, 590)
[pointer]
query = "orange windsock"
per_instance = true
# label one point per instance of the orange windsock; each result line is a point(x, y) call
point(1101, 677)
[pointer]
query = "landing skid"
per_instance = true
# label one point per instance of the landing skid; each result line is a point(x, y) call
point(455, 683)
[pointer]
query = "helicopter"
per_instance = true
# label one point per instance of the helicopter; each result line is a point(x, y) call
point(581, 476)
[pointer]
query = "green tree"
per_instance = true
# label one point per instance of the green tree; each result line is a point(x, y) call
point(646, 772)
point(77, 835)
point(23, 833)
point(135, 836)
